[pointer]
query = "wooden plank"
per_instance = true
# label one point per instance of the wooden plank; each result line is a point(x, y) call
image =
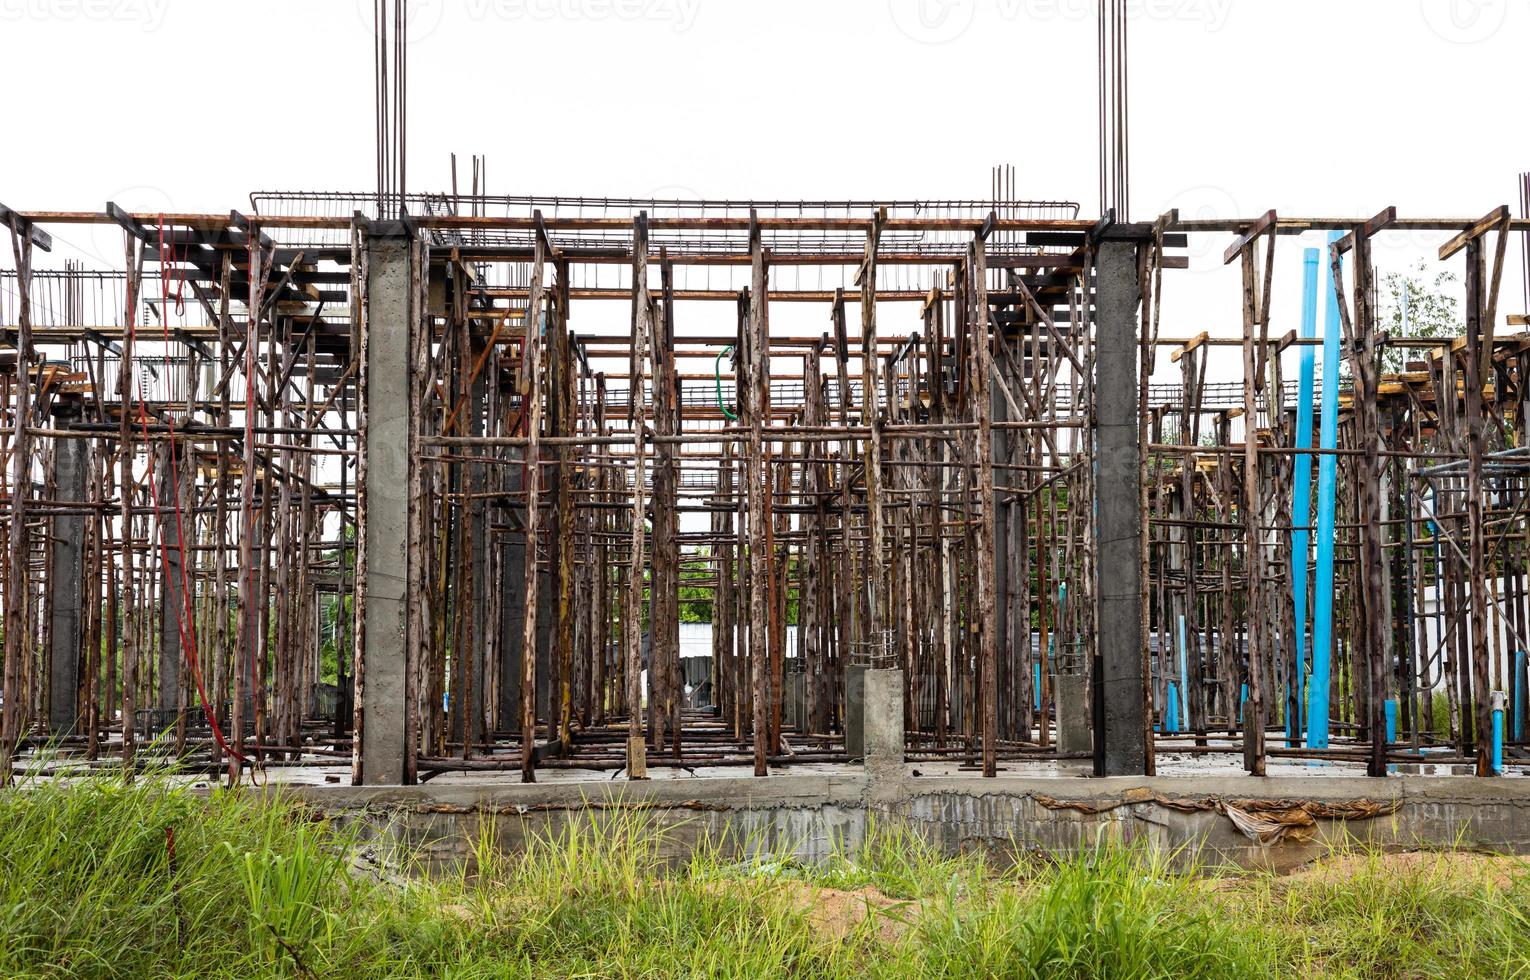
point(1195, 342)
point(1483, 225)
point(1383, 220)
point(40, 238)
point(1259, 227)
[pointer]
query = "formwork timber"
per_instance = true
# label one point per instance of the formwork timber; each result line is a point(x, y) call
point(338, 484)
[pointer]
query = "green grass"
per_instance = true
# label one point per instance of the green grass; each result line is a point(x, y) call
point(259, 888)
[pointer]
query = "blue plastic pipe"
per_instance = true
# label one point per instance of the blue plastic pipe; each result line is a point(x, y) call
point(1184, 672)
point(1301, 489)
point(1322, 583)
point(1498, 734)
point(1062, 602)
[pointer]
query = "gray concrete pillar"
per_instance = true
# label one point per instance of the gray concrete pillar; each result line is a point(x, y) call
point(1071, 698)
point(169, 483)
point(382, 755)
point(71, 464)
point(547, 621)
point(475, 483)
point(512, 605)
point(512, 611)
point(1120, 686)
point(884, 727)
point(794, 714)
point(855, 711)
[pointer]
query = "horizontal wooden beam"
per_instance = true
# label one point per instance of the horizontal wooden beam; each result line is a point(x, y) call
point(1498, 217)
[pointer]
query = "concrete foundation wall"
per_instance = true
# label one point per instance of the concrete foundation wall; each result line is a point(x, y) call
point(809, 815)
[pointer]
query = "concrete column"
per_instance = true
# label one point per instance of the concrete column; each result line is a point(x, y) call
point(384, 574)
point(512, 605)
point(855, 711)
point(1071, 698)
point(795, 701)
point(1120, 687)
point(547, 622)
point(168, 482)
point(512, 611)
point(478, 527)
point(884, 729)
point(71, 464)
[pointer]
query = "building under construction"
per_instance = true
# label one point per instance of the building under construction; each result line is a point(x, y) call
point(420, 485)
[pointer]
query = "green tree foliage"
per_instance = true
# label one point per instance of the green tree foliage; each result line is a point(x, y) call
point(1419, 303)
point(698, 588)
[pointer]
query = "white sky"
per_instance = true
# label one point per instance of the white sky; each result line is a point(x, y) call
point(1312, 107)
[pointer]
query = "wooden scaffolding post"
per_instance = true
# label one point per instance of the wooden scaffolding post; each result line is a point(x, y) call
point(529, 386)
point(17, 629)
point(982, 366)
point(758, 487)
point(642, 339)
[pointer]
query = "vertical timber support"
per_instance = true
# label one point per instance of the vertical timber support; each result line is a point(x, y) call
point(758, 483)
point(1374, 607)
point(642, 336)
point(1119, 684)
point(383, 755)
point(987, 584)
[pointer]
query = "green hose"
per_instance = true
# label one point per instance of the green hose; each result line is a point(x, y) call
point(717, 366)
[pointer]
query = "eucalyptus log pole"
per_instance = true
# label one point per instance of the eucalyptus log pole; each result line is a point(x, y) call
point(982, 365)
point(642, 335)
point(758, 487)
point(17, 632)
point(530, 388)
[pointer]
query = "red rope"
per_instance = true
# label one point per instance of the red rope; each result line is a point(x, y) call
point(186, 624)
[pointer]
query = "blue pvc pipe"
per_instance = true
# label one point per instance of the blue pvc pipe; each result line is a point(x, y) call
point(1498, 741)
point(1301, 489)
point(1390, 707)
point(1062, 601)
point(1322, 613)
point(1171, 711)
point(1184, 672)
